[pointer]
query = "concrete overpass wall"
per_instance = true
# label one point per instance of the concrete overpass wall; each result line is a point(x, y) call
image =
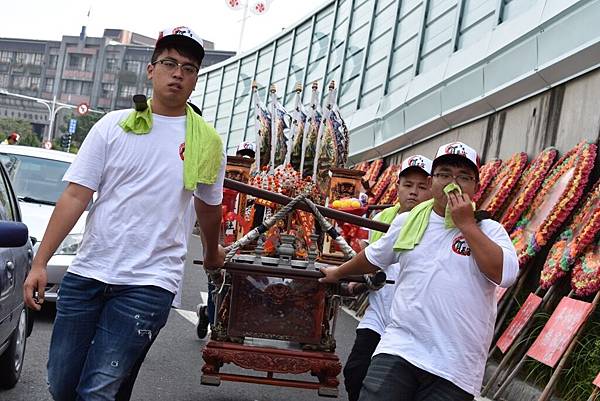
point(560, 117)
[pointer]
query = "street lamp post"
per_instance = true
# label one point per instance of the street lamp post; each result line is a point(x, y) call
point(51, 105)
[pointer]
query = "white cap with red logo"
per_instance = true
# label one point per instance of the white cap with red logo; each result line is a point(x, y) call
point(246, 148)
point(416, 161)
point(454, 149)
point(181, 33)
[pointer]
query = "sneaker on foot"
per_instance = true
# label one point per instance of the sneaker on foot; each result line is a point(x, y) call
point(202, 328)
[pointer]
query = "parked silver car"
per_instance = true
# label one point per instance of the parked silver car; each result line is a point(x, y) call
point(16, 253)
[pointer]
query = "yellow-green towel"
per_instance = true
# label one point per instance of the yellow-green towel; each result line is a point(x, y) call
point(203, 146)
point(386, 216)
point(413, 229)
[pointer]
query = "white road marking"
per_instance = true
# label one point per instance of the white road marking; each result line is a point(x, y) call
point(350, 312)
point(189, 315)
point(192, 317)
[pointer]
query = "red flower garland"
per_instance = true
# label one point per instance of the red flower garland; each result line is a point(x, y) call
point(362, 166)
point(487, 172)
point(572, 242)
point(390, 195)
point(374, 170)
point(588, 221)
point(503, 184)
point(585, 279)
point(581, 160)
point(382, 183)
point(528, 186)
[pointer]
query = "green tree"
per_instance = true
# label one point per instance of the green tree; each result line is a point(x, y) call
point(84, 124)
point(21, 127)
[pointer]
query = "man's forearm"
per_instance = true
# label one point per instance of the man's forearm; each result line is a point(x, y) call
point(357, 265)
point(67, 211)
point(209, 220)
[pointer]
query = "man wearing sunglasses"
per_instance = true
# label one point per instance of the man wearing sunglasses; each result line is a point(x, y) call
point(155, 170)
point(441, 322)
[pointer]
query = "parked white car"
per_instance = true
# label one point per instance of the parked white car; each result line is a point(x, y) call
point(36, 175)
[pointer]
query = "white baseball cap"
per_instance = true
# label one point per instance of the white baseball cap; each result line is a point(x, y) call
point(246, 147)
point(457, 149)
point(416, 161)
point(181, 34)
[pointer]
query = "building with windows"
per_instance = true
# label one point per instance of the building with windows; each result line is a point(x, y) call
point(103, 72)
point(503, 75)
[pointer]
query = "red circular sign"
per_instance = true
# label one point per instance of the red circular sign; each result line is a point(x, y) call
point(83, 108)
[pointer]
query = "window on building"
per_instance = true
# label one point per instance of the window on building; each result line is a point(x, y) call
point(132, 65)
point(80, 62)
point(149, 91)
point(34, 83)
point(49, 85)
point(20, 81)
point(108, 90)
point(112, 65)
point(4, 80)
point(53, 61)
point(126, 91)
point(28, 58)
point(86, 89)
point(75, 87)
point(70, 86)
point(5, 56)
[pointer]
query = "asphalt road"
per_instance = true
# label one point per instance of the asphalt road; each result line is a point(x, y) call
point(172, 368)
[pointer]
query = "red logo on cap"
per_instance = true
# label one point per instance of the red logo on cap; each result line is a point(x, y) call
point(182, 30)
point(455, 149)
point(416, 161)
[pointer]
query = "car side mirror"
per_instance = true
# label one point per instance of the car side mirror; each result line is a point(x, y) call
point(13, 234)
point(33, 241)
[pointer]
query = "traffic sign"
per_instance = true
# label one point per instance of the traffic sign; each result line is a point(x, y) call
point(72, 126)
point(83, 108)
point(47, 145)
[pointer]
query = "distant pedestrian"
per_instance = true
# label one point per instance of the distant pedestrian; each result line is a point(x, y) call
point(12, 139)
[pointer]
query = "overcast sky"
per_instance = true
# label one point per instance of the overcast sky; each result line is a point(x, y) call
point(211, 19)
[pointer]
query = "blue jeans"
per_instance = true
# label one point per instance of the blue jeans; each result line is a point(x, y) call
point(99, 334)
point(392, 378)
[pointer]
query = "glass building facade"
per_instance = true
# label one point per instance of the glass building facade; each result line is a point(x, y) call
point(386, 55)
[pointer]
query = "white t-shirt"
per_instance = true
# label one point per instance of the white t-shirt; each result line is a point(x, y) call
point(137, 229)
point(377, 315)
point(444, 309)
